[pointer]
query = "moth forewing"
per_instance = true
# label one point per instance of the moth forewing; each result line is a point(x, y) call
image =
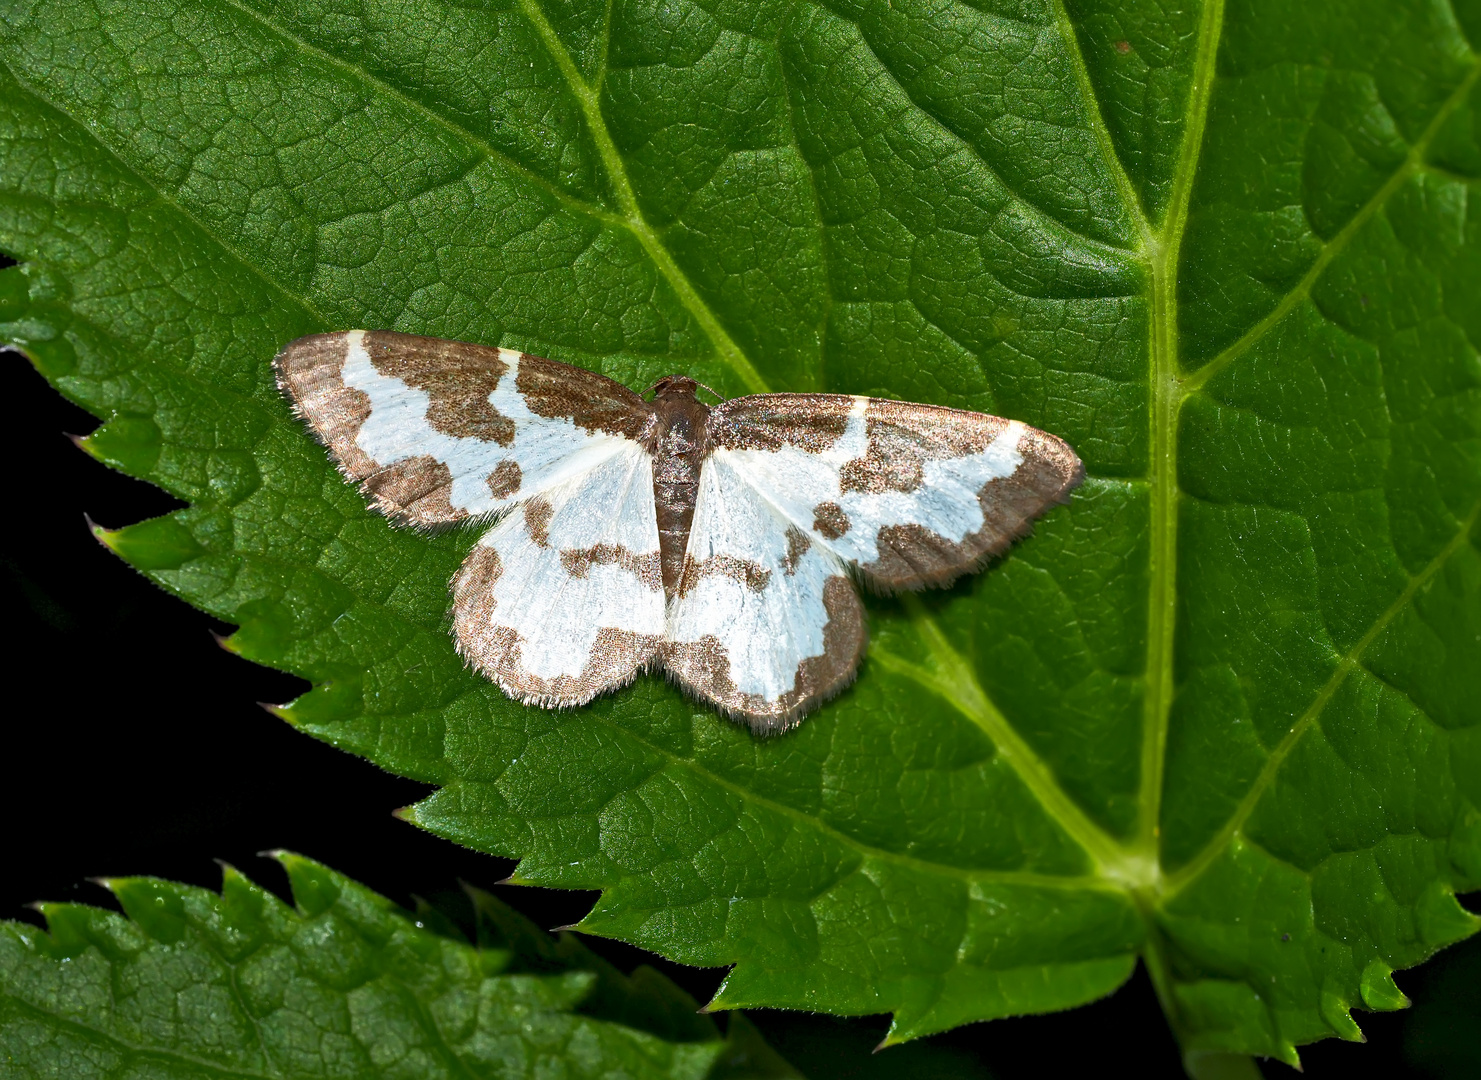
point(438, 431)
point(913, 495)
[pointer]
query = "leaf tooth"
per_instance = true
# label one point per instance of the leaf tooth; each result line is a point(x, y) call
point(716, 1003)
point(315, 887)
point(102, 535)
point(580, 924)
point(156, 907)
point(282, 712)
point(1380, 992)
point(233, 881)
point(516, 878)
point(1442, 921)
point(731, 993)
point(1335, 1011)
point(88, 446)
point(69, 927)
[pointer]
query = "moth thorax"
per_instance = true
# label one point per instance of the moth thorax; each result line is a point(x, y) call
point(679, 449)
point(674, 386)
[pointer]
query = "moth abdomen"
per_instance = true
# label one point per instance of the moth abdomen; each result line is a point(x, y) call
point(679, 447)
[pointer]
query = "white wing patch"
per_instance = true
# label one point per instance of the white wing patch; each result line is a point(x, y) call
point(547, 450)
point(563, 599)
point(766, 622)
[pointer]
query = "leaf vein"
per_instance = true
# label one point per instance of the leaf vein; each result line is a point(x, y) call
point(956, 682)
point(1412, 164)
point(1098, 127)
point(589, 99)
point(170, 203)
point(135, 1050)
point(1048, 221)
point(867, 851)
point(820, 378)
point(487, 150)
point(1180, 879)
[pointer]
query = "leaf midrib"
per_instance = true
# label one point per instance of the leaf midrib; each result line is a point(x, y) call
point(1166, 405)
point(1183, 387)
point(1136, 865)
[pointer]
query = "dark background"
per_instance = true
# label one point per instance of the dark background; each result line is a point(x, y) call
point(134, 746)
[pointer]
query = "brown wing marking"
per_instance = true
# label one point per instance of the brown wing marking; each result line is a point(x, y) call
point(752, 575)
point(457, 378)
point(903, 436)
point(591, 401)
point(703, 669)
point(645, 567)
point(310, 371)
point(829, 521)
point(913, 557)
point(414, 491)
point(900, 438)
point(811, 422)
point(504, 481)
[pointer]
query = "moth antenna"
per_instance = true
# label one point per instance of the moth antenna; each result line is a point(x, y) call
point(711, 390)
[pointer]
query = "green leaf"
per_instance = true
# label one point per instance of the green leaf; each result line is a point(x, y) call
point(195, 984)
point(1220, 713)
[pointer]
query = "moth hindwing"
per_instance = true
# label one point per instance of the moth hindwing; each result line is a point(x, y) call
point(712, 543)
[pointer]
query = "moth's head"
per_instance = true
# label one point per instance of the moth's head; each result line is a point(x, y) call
point(675, 386)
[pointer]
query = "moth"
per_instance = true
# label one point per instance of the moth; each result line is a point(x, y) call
point(718, 544)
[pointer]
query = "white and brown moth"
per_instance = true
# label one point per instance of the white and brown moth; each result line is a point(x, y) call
point(713, 543)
